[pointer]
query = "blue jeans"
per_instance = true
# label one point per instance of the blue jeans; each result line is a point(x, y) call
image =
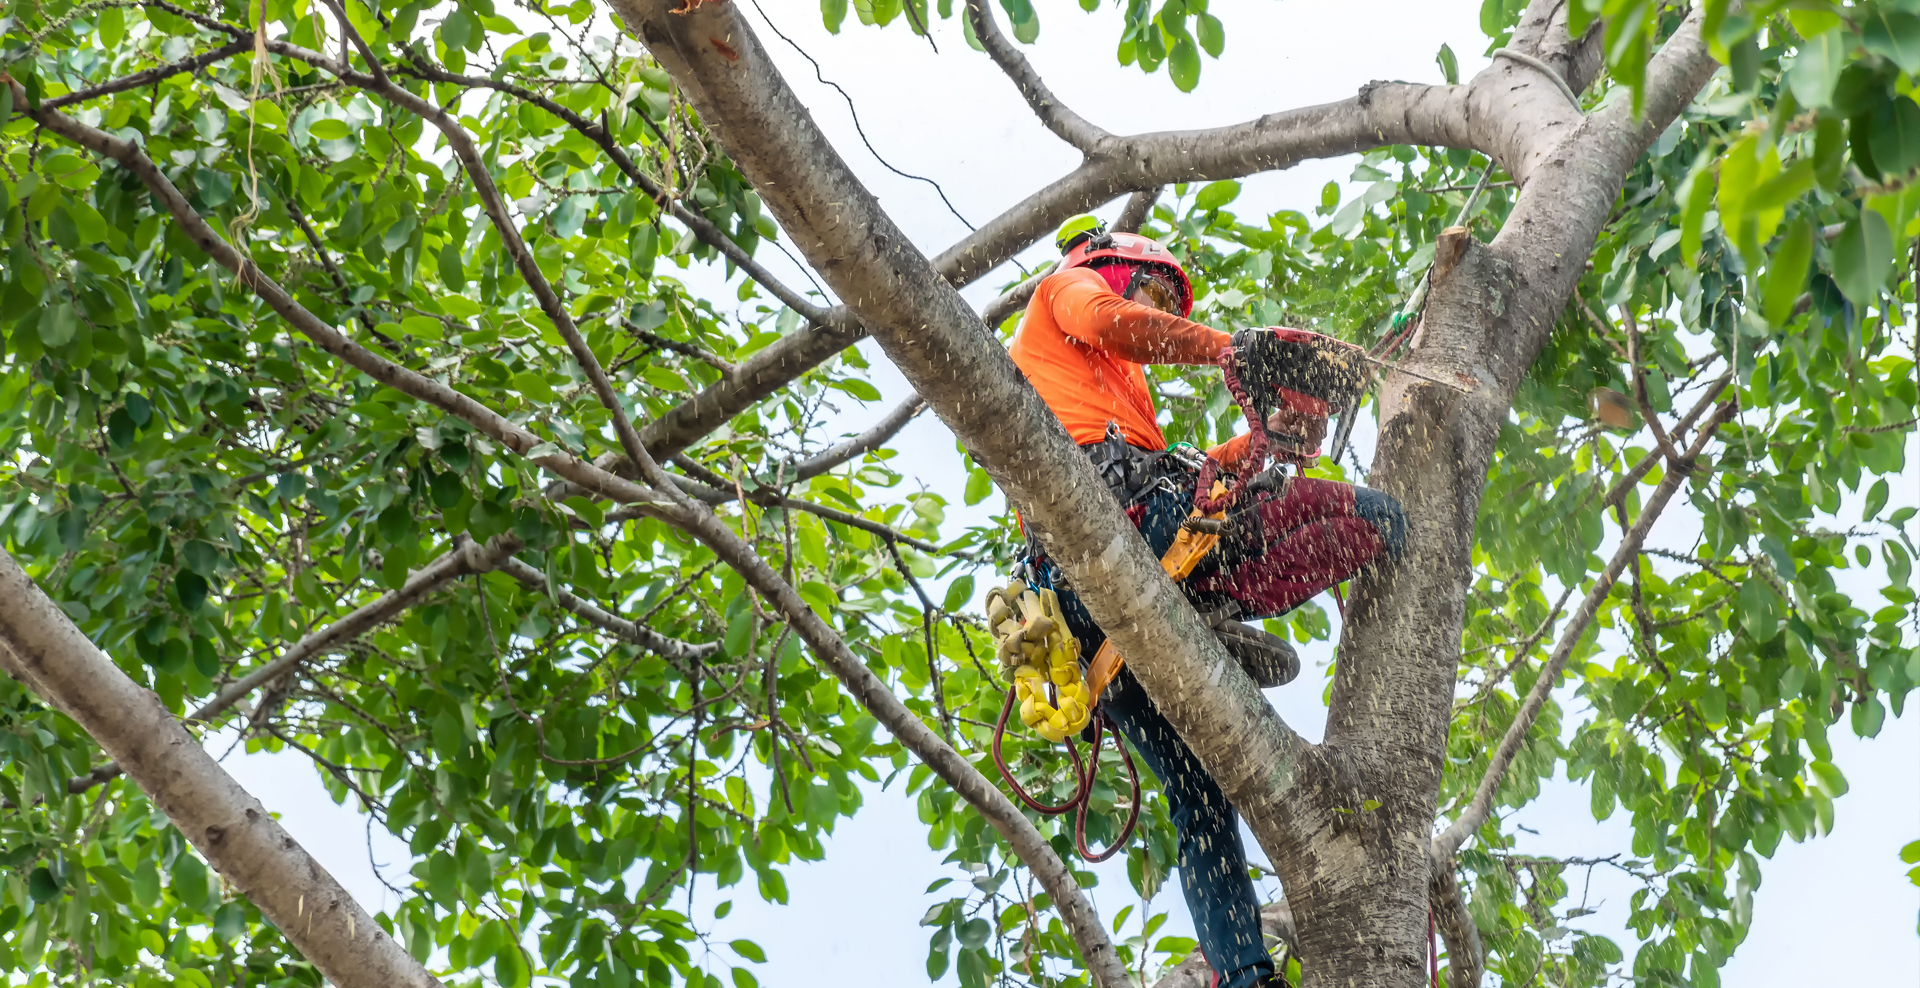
point(1212, 864)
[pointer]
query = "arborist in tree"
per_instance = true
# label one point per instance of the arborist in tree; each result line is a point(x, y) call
point(1118, 303)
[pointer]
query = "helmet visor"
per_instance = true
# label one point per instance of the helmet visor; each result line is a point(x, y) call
point(1158, 293)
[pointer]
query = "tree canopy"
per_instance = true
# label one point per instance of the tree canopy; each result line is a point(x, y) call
point(569, 699)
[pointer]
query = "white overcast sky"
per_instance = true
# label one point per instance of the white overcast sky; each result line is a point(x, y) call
point(1837, 910)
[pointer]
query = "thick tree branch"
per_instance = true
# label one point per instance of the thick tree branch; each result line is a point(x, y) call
point(965, 374)
point(1481, 806)
point(1542, 33)
point(1065, 124)
point(41, 648)
point(1382, 113)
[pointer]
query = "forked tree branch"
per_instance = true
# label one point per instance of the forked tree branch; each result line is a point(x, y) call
point(1640, 390)
point(40, 647)
point(712, 489)
point(496, 210)
point(1481, 806)
point(829, 648)
point(1055, 115)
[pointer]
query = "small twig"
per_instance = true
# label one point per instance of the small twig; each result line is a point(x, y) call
point(926, 621)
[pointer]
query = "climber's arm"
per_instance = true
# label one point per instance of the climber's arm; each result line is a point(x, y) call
point(1087, 310)
point(1306, 431)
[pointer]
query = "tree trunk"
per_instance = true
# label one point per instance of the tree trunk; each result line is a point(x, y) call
point(41, 648)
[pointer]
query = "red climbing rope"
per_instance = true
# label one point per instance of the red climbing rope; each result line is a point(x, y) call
point(1256, 460)
point(1083, 773)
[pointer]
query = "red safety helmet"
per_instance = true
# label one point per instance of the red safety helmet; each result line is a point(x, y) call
point(1089, 248)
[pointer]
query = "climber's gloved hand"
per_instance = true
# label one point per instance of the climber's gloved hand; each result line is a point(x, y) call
point(1297, 435)
point(1259, 357)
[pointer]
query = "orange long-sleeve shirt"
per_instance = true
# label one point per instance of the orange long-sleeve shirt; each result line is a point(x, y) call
point(1085, 349)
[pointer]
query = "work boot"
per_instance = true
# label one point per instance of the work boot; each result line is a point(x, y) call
point(1269, 660)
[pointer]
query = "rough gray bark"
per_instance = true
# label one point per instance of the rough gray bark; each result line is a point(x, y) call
point(1357, 878)
point(1485, 322)
point(42, 649)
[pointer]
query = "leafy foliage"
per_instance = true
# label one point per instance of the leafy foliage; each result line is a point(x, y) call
point(198, 489)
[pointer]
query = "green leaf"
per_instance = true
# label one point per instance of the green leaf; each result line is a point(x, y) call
point(57, 325)
point(1790, 184)
point(1893, 34)
point(858, 388)
point(510, 966)
point(959, 593)
point(1762, 612)
point(120, 429)
point(1216, 194)
point(140, 409)
point(200, 556)
point(453, 269)
point(1895, 135)
point(1829, 151)
point(1449, 66)
point(41, 886)
point(1868, 716)
point(1827, 776)
point(447, 490)
point(328, 129)
point(1699, 198)
point(974, 932)
point(192, 588)
point(1787, 271)
point(979, 485)
point(833, 13)
point(750, 950)
point(1861, 257)
point(1713, 705)
point(1213, 35)
point(1876, 500)
point(1812, 72)
point(1183, 64)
